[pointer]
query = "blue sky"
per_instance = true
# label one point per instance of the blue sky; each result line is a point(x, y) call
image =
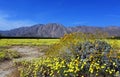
point(18, 13)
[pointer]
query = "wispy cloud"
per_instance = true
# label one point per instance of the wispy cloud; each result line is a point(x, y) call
point(7, 23)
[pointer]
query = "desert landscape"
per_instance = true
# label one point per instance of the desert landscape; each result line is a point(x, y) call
point(59, 38)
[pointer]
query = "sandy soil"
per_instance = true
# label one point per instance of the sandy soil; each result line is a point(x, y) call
point(7, 68)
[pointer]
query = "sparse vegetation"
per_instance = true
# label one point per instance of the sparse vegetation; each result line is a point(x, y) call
point(8, 54)
point(74, 55)
point(29, 42)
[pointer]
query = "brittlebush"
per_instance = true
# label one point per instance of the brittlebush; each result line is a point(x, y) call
point(76, 55)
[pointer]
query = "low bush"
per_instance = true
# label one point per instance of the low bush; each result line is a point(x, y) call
point(76, 55)
point(8, 54)
point(74, 67)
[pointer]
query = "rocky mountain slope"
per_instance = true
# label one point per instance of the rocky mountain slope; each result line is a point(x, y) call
point(57, 30)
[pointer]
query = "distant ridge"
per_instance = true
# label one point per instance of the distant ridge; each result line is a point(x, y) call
point(57, 30)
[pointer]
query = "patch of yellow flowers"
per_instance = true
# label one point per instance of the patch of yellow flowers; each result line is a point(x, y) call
point(59, 67)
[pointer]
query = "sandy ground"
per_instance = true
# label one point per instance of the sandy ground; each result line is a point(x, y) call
point(7, 68)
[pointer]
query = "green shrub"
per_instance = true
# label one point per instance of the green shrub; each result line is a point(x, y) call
point(69, 43)
point(74, 67)
point(76, 55)
point(2, 56)
point(8, 54)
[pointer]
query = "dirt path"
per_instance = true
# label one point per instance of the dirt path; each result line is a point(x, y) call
point(7, 68)
point(27, 52)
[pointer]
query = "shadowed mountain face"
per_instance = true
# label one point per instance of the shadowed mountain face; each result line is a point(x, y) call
point(56, 30)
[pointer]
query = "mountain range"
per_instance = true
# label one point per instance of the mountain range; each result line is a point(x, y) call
point(57, 30)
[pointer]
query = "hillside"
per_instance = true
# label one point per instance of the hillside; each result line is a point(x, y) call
point(57, 30)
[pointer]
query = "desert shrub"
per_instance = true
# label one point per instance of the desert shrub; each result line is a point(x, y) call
point(76, 55)
point(69, 43)
point(74, 67)
point(2, 56)
point(97, 47)
point(8, 54)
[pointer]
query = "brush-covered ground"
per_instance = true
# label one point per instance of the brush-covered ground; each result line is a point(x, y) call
point(74, 55)
point(15, 50)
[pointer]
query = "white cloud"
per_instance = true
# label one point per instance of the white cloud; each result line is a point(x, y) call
point(7, 24)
